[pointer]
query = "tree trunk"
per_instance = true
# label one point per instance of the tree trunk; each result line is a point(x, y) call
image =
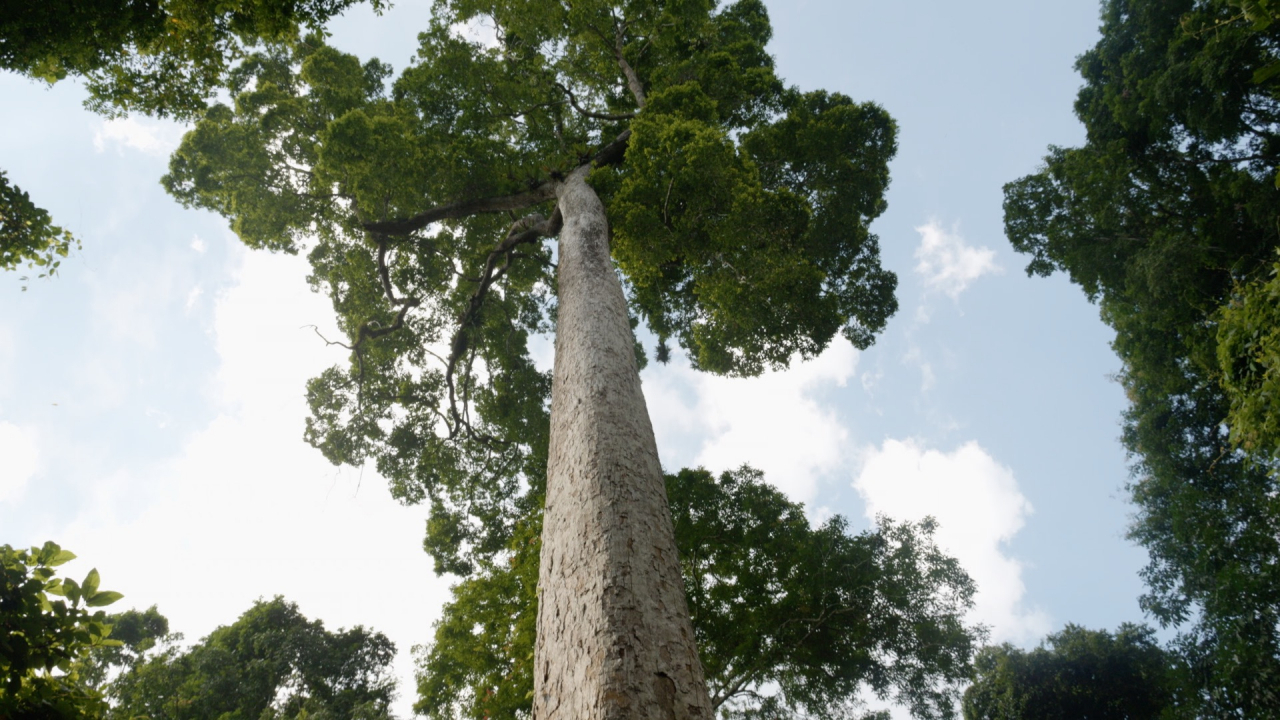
point(614, 638)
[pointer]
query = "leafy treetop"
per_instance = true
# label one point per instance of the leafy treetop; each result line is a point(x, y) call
point(1075, 673)
point(738, 208)
point(271, 664)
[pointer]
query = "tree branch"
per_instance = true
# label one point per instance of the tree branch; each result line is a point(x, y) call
point(525, 230)
point(465, 208)
point(610, 154)
point(587, 113)
point(633, 80)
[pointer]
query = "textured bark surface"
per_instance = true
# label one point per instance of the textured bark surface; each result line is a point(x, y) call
point(614, 637)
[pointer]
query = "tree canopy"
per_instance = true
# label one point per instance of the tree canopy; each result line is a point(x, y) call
point(1075, 673)
point(272, 663)
point(738, 210)
point(813, 612)
point(1167, 217)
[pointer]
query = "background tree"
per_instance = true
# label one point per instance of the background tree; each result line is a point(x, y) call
point(812, 612)
point(272, 663)
point(1075, 673)
point(42, 640)
point(736, 209)
point(135, 634)
point(1166, 217)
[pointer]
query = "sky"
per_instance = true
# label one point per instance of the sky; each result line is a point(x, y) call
point(151, 395)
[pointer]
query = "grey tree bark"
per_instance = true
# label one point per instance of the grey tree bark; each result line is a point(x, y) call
point(614, 639)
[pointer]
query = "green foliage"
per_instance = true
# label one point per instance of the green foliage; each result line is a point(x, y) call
point(1075, 673)
point(797, 188)
point(135, 634)
point(165, 57)
point(43, 640)
point(814, 610)
point(739, 212)
point(271, 664)
point(480, 664)
point(1166, 211)
point(27, 233)
point(1249, 358)
point(161, 57)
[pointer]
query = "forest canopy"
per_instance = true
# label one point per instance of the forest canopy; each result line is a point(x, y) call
point(1167, 218)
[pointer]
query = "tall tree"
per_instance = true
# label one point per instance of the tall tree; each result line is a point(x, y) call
point(1164, 217)
point(270, 664)
point(791, 619)
point(650, 137)
point(1075, 673)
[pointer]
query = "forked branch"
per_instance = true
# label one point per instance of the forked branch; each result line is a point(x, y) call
point(527, 229)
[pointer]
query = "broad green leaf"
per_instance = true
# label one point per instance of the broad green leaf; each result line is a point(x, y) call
point(63, 556)
point(71, 590)
point(103, 598)
point(90, 583)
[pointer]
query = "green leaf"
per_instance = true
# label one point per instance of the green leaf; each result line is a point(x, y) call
point(90, 583)
point(64, 556)
point(1266, 72)
point(71, 590)
point(106, 597)
point(46, 553)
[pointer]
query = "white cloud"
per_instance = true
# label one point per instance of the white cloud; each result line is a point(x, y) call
point(246, 509)
point(7, 356)
point(197, 244)
point(979, 509)
point(915, 356)
point(19, 459)
point(870, 380)
point(775, 422)
point(131, 312)
point(947, 264)
point(193, 297)
point(150, 137)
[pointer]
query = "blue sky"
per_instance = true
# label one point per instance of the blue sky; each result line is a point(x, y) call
point(151, 395)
